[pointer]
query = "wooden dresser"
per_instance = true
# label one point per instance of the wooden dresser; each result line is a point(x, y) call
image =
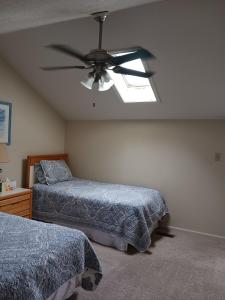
point(17, 202)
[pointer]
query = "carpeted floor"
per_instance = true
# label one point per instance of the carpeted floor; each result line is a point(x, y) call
point(187, 267)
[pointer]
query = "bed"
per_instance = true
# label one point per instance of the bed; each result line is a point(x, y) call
point(42, 261)
point(111, 214)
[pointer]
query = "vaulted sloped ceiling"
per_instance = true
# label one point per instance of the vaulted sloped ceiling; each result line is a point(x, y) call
point(186, 36)
point(21, 14)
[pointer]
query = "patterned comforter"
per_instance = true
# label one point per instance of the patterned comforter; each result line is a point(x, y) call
point(128, 212)
point(37, 258)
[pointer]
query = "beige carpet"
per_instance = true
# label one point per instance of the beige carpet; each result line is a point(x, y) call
point(187, 267)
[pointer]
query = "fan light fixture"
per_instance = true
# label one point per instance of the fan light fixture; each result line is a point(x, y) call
point(104, 82)
point(88, 83)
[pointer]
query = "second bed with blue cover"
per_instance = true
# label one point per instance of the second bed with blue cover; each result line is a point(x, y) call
point(37, 259)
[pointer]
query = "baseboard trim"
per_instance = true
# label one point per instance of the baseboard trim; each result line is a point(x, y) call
point(198, 232)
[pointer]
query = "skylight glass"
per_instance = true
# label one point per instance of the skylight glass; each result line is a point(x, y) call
point(132, 88)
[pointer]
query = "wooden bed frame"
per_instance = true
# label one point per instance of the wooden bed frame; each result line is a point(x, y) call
point(34, 159)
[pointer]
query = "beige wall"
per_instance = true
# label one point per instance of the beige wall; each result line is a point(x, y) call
point(175, 157)
point(36, 128)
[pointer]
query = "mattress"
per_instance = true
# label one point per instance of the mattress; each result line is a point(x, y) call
point(127, 212)
point(42, 261)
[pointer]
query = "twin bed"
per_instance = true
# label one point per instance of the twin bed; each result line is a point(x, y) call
point(42, 261)
point(111, 214)
point(47, 261)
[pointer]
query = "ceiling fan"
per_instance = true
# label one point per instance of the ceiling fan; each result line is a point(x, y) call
point(99, 61)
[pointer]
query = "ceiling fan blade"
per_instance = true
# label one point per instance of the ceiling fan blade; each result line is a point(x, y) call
point(67, 50)
point(62, 68)
point(126, 71)
point(118, 52)
point(135, 54)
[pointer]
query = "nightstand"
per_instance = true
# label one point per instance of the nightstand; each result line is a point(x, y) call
point(17, 202)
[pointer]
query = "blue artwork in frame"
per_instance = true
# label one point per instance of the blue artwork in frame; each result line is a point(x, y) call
point(5, 122)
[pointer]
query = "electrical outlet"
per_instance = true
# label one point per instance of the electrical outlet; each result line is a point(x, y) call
point(217, 156)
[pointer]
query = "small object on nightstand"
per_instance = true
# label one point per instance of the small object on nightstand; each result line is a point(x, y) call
point(17, 202)
point(12, 184)
point(8, 185)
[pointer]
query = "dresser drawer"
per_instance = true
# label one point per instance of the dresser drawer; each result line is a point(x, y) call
point(16, 206)
point(24, 213)
point(14, 200)
point(18, 203)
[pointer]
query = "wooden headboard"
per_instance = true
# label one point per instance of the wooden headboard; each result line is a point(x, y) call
point(34, 159)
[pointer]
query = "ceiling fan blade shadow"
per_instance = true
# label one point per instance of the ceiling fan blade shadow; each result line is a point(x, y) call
point(126, 71)
point(63, 68)
point(135, 54)
point(67, 50)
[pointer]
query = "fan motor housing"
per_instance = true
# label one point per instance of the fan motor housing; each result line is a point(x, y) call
point(98, 56)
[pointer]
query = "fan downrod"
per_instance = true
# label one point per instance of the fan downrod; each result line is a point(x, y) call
point(100, 18)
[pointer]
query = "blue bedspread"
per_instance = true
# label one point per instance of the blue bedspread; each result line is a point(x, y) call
point(127, 211)
point(37, 258)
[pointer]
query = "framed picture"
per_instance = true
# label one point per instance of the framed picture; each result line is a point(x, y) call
point(5, 122)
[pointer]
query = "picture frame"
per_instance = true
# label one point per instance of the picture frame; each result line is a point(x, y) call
point(5, 122)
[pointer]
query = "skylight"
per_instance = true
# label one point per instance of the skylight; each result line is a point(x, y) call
point(132, 88)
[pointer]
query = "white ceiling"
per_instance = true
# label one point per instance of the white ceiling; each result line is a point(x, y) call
point(186, 36)
point(21, 14)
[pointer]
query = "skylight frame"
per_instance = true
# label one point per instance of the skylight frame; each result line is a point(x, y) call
point(122, 87)
point(130, 85)
point(154, 89)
